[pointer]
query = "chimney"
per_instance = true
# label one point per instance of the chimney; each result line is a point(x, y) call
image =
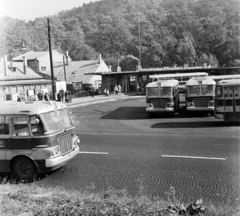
point(139, 67)
point(5, 65)
point(118, 69)
point(100, 58)
point(24, 65)
point(110, 67)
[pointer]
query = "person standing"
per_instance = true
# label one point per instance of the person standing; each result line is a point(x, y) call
point(18, 99)
point(116, 90)
point(119, 88)
point(46, 97)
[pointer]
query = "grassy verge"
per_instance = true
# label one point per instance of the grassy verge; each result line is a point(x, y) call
point(30, 199)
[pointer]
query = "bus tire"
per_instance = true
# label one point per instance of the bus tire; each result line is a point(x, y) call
point(212, 113)
point(24, 169)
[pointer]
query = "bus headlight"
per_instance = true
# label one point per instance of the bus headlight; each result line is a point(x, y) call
point(170, 105)
point(190, 104)
point(149, 105)
point(211, 103)
point(56, 151)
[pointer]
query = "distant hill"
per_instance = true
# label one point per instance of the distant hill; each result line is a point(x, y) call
point(184, 32)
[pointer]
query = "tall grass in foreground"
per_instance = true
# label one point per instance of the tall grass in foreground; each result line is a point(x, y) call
point(30, 199)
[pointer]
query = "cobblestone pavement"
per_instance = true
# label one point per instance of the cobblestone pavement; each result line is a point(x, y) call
point(124, 148)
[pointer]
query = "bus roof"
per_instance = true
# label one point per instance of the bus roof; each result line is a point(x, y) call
point(230, 82)
point(223, 77)
point(205, 80)
point(163, 83)
point(179, 75)
point(29, 108)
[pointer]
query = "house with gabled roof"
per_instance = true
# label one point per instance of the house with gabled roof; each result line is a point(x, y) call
point(75, 70)
point(40, 61)
point(18, 78)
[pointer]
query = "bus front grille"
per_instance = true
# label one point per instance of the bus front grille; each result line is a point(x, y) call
point(65, 143)
point(201, 102)
point(159, 103)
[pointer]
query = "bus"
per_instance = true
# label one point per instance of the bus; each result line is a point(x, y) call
point(182, 79)
point(162, 96)
point(200, 94)
point(225, 77)
point(227, 100)
point(35, 137)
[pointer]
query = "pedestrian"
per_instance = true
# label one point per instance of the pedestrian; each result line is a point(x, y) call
point(92, 92)
point(116, 90)
point(46, 97)
point(59, 96)
point(18, 99)
point(119, 88)
point(69, 96)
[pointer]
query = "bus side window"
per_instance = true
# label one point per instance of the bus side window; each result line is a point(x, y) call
point(219, 91)
point(37, 126)
point(4, 125)
point(20, 127)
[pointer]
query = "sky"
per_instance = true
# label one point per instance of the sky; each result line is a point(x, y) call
point(30, 9)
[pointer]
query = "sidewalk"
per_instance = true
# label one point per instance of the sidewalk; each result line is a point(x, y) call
point(84, 101)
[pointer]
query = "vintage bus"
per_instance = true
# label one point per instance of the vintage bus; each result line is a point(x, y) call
point(200, 94)
point(162, 96)
point(35, 137)
point(227, 100)
point(225, 77)
point(182, 79)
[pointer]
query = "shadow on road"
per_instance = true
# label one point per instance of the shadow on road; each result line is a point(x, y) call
point(208, 124)
point(127, 113)
point(134, 113)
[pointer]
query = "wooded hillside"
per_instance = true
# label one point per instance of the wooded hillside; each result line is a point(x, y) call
point(171, 32)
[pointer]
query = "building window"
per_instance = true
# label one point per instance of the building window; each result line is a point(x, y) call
point(144, 77)
point(43, 68)
point(132, 80)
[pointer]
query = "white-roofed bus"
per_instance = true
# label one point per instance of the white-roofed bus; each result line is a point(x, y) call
point(35, 137)
point(200, 94)
point(227, 100)
point(162, 96)
point(182, 79)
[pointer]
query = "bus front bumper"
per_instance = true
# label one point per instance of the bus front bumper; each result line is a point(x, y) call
point(207, 109)
point(52, 164)
point(157, 110)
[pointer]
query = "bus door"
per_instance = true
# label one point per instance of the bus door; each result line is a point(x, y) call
point(4, 142)
point(231, 104)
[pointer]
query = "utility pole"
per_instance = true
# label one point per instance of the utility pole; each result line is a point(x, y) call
point(139, 38)
point(51, 61)
point(64, 69)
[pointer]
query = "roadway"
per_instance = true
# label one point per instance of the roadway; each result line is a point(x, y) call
point(122, 147)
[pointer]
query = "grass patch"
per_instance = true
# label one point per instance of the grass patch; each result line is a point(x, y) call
point(30, 199)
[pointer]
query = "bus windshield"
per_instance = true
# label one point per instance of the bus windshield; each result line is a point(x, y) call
point(51, 122)
point(200, 90)
point(160, 92)
point(65, 118)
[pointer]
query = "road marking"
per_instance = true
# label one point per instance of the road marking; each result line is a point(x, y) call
point(85, 152)
point(194, 157)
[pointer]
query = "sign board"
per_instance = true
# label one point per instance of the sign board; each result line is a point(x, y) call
point(61, 85)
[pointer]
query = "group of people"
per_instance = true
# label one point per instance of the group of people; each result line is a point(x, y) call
point(117, 89)
point(64, 96)
point(43, 96)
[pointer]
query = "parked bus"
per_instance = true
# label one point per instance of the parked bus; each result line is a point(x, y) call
point(182, 78)
point(225, 77)
point(162, 96)
point(35, 137)
point(227, 100)
point(200, 94)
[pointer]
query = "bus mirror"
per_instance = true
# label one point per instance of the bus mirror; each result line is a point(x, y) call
point(37, 121)
point(70, 112)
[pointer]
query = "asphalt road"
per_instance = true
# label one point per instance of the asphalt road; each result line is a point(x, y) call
point(122, 147)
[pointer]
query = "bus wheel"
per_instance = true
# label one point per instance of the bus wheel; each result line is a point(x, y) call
point(24, 169)
point(212, 113)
